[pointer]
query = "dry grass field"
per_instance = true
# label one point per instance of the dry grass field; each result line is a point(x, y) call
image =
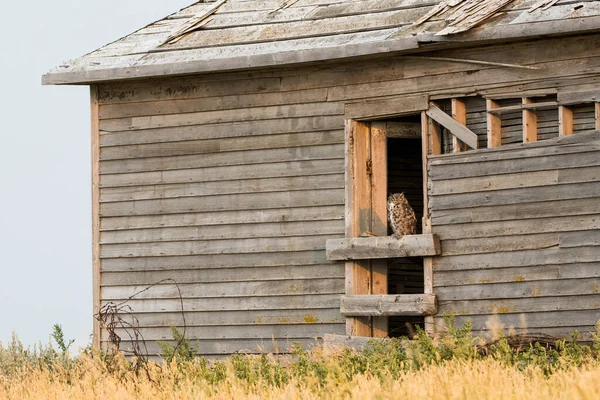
point(455, 366)
point(485, 379)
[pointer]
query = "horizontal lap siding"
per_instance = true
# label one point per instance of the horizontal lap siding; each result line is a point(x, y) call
point(520, 245)
point(232, 183)
point(234, 200)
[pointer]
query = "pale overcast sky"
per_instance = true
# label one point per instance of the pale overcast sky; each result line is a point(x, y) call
point(45, 214)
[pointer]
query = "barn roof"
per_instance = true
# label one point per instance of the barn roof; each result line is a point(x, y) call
point(225, 35)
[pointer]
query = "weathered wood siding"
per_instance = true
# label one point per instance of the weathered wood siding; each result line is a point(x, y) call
point(232, 183)
point(520, 231)
point(232, 197)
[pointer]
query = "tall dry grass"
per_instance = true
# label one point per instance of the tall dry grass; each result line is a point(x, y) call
point(474, 379)
point(452, 366)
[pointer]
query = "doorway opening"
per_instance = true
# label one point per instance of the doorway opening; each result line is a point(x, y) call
point(405, 175)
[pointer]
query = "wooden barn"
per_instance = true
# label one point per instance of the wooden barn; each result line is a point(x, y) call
point(246, 149)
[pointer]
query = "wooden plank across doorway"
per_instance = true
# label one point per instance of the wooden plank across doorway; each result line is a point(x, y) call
point(389, 305)
point(383, 247)
point(366, 214)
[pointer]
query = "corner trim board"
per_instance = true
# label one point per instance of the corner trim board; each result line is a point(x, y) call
point(96, 261)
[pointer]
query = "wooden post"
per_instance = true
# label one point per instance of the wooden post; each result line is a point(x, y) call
point(530, 129)
point(597, 116)
point(96, 267)
point(358, 216)
point(494, 126)
point(425, 150)
point(565, 121)
point(379, 226)
point(427, 134)
point(459, 113)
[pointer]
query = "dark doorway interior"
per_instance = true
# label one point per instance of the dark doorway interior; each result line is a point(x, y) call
point(405, 174)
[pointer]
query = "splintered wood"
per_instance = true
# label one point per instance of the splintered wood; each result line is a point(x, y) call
point(543, 4)
point(193, 24)
point(463, 15)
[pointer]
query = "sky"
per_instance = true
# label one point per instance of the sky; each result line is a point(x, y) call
point(45, 164)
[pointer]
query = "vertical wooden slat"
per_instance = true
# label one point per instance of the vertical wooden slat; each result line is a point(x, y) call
point(427, 261)
point(348, 199)
point(459, 113)
point(494, 126)
point(358, 214)
point(565, 121)
point(96, 267)
point(530, 128)
point(597, 116)
point(379, 226)
point(435, 136)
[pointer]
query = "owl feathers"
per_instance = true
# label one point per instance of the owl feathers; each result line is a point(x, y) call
point(401, 216)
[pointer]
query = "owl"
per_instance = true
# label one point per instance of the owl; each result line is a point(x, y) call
point(401, 216)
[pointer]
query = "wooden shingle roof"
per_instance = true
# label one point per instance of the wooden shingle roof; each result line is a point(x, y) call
point(239, 34)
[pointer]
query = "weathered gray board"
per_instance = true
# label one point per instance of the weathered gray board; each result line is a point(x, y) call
point(372, 305)
point(512, 264)
point(383, 247)
point(231, 184)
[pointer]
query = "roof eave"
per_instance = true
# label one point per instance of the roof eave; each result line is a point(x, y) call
point(229, 64)
point(481, 35)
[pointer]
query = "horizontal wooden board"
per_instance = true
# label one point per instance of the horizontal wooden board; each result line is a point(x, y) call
point(214, 174)
point(580, 239)
point(494, 182)
point(164, 107)
point(215, 261)
point(544, 163)
point(372, 305)
point(584, 332)
point(247, 157)
point(221, 116)
point(222, 131)
point(220, 145)
point(518, 274)
point(297, 183)
point(210, 275)
point(519, 227)
point(535, 321)
point(526, 290)
point(387, 107)
point(266, 332)
point(588, 190)
point(237, 318)
point(383, 247)
point(247, 201)
point(215, 349)
point(242, 231)
point(321, 213)
point(550, 256)
point(498, 244)
point(225, 289)
point(560, 145)
point(289, 302)
point(190, 88)
point(504, 306)
point(227, 246)
point(575, 207)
